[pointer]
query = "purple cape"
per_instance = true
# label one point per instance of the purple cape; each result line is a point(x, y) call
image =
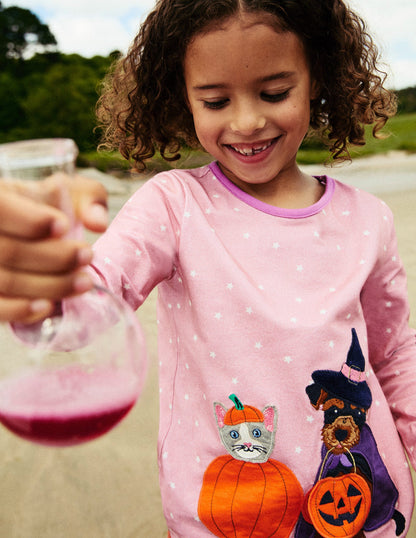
point(384, 494)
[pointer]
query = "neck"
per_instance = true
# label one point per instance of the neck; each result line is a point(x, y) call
point(288, 191)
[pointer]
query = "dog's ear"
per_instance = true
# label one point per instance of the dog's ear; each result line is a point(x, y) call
point(316, 394)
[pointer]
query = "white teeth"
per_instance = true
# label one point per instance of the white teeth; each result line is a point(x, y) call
point(251, 150)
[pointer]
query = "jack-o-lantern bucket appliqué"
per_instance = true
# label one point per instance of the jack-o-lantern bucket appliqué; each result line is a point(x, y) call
point(338, 506)
point(245, 493)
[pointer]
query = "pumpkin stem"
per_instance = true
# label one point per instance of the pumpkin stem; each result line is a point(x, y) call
point(236, 402)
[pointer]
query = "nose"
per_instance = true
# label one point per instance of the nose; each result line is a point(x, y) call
point(341, 435)
point(248, 445)
point(247, 118)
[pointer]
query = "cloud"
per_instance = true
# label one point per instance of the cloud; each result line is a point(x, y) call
point(89, 37)
point(92, 27)
point(89, 27)
point(403, 74)
point(392, 24)
point(86, 7)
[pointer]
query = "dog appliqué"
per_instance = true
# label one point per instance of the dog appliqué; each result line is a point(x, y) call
point(349, 445)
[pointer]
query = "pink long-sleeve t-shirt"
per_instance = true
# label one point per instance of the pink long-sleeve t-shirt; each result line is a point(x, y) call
point(252, 299)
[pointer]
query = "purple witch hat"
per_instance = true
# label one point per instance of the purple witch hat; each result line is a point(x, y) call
point(349, 383)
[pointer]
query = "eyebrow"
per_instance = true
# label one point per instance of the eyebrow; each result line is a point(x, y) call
point(278, 76)
point(269, 78)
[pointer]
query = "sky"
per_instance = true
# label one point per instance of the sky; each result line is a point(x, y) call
point(90, 27)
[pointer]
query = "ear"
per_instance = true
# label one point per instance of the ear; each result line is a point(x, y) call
point(315, 89)
point(186, 98)
point(270, 418)
point(317, 395)
point(220, 412)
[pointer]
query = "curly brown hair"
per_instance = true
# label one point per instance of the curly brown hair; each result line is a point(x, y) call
point(143, 106)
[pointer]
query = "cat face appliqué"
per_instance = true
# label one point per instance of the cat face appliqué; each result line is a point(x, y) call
point(248, 434)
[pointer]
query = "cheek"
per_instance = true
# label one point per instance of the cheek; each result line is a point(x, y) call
point(295, 114)
point(297, 117)
point(207, 129)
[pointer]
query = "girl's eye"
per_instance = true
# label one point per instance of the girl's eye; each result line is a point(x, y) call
point(215, 105)
point(256, 432)
point(234, 434)
point(275, 97)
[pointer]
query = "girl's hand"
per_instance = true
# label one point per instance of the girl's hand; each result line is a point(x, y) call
point(90, 203)
point(38, 265)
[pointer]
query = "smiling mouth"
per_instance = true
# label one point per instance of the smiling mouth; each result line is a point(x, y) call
point(252, 149)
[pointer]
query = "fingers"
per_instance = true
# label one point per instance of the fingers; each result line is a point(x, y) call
point(22, 302)
point(47, 269)
point(23, 217)
point(38, 205)
point(48, 256)
point(50, 287)
point(35, 274)
point(90, 199)
point(94, 217)
point(24, 310)
point(38, 264)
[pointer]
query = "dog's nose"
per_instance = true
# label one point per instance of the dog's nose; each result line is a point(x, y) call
point(341, 435)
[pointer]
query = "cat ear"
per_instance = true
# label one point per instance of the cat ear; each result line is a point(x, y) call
point(270, 418)
point(220, 412)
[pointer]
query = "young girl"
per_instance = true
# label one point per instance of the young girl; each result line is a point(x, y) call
point(282, 288)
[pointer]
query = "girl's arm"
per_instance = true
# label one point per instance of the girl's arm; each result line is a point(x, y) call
point(141, 247)
point(392, 343)
point(37, 264)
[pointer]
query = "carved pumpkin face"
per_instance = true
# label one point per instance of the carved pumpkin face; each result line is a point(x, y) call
point(339, 506)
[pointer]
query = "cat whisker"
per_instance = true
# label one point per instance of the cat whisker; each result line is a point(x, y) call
point(252, 448)
point(260, 448)
point(242, 447)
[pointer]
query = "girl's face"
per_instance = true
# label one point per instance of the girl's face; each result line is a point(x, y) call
point(249, 90)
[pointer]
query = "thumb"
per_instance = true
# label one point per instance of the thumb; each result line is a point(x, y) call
point(90, 201)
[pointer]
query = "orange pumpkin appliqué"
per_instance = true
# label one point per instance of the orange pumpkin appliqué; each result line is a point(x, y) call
point(241, 498)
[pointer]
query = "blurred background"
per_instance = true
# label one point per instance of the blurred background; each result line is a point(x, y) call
point(54, 54)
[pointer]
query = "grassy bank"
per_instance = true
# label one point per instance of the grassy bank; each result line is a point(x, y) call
point(400, 135)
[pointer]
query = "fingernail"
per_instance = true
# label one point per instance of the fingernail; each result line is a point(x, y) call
point(59, 227)
point(84, 256)
point(99, 214)
point(82, 282)
point(39, 306)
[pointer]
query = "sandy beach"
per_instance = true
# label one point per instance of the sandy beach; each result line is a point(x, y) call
point(108, 488)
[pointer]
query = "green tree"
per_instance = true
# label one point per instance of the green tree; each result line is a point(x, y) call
point(10, 109)
point(19, 30)
point(44, 93)
point(61, 103)
point(407, 99)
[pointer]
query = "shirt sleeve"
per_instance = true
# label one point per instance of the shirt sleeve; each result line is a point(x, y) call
point(140, 247)
point(392, 343)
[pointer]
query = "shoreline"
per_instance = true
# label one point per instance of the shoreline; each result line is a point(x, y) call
point(394, 171)
point(398, 169)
